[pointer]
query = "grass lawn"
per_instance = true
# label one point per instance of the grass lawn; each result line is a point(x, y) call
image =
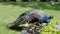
point(9, 12)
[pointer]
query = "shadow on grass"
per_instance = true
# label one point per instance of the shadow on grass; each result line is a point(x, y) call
point(17, 28)
point(43, 5)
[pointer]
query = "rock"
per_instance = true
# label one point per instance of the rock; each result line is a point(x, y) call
point(56, 26)
point(24, 32)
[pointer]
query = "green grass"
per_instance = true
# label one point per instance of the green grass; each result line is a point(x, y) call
point(9, 12)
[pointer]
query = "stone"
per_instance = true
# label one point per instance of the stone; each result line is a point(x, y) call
point(56, 26)
point(24, 32)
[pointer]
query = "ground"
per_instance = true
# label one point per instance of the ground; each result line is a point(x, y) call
point(9, 12)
